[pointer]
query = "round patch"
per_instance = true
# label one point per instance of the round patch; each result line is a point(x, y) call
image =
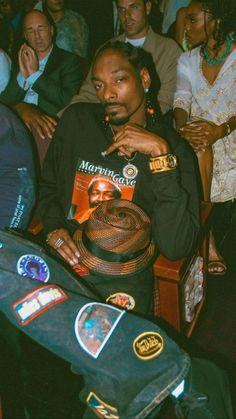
point(148, 345)
point(122, 300)
point(34, 267)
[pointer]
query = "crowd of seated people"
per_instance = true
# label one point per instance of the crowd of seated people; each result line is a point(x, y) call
point(77, 90)
point(45, 78)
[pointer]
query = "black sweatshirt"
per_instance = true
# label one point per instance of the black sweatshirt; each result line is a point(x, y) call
point(170, 198)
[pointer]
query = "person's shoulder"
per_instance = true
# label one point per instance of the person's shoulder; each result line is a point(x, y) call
point(159, 44)
point(64, 56)
point(74, 16)
point(190, 56)
point(12, 129)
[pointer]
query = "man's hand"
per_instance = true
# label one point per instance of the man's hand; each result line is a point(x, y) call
point(61, 241)
point(201, 134)
point(28, 61)
point(41, 124)
point(132, 138)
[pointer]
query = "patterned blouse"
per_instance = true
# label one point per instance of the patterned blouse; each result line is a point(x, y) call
point(214, 102)
point(73, 33)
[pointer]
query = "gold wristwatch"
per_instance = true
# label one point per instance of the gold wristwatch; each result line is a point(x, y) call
point(163, 163)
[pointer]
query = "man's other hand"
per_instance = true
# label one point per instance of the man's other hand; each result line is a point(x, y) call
point(41, 124)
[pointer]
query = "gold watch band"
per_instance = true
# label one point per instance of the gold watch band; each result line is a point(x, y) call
point(163, 163)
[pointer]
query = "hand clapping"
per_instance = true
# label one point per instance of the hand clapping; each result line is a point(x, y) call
point(28, 60)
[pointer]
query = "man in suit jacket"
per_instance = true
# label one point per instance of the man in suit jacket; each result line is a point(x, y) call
point(45, 78)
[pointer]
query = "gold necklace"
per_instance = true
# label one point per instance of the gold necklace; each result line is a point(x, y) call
point(130, 171)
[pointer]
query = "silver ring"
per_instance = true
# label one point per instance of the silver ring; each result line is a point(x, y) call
point(59, 242)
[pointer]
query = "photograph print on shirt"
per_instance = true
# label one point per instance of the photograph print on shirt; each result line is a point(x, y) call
point(94, 184)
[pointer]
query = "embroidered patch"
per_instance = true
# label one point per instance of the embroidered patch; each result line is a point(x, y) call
point(122, 300)
point(33, 266)
point(36, 302)
point(94, 325)
point(148, 345)
point(100, 408)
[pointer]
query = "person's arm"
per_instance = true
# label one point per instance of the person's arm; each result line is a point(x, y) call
point(37, 122)
point(183, 93)
point(176, 218)
point(5, 70)
point(52, 199)
point(180, 117)
point(176, 211)
point(58, 91)
point(202, 133)
point(13, 93)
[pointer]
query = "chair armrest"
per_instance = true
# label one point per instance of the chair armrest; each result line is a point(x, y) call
point(171, 274)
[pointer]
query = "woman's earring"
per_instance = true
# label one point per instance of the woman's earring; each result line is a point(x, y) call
point(146, 89)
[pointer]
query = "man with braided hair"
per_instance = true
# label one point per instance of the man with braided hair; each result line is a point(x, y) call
point(121, 138)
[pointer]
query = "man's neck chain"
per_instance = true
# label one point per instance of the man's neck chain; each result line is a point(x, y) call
point(130, 171)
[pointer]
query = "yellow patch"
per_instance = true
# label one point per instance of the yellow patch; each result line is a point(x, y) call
point(148, 345)
point(100, 408)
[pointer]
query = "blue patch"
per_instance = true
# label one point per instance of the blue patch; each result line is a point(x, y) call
point(36, 302)
point(100, 408)
point(33, 266)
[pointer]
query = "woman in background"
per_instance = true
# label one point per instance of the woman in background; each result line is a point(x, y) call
point(205, 105)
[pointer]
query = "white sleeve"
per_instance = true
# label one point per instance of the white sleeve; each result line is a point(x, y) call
point(5, 69)
point(183, 93)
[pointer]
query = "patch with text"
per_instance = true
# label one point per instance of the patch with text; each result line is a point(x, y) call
point(33, 266)
point(100, 408)
point(148, 345)
point(36, 302)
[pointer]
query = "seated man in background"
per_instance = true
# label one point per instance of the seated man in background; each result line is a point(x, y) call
point(134, 19)
point(121, 139)
point(44, 80)
point(72, 33)
point(17, 188)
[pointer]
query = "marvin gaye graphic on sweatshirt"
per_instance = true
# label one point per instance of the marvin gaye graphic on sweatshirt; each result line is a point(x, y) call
point(94, 183)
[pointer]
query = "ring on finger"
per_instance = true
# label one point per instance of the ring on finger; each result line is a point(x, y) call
point(59, 242)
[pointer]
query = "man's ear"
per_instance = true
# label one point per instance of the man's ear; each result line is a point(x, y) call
point(52, 31)
point(148, 7)
point(145, 77)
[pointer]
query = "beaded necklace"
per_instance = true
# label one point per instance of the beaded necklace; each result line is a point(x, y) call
point(217, 60)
